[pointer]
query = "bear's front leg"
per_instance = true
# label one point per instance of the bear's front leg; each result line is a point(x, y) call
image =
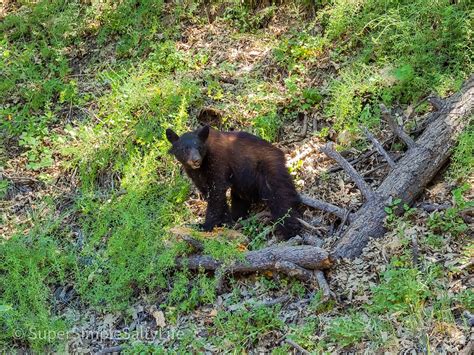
point(217, 212)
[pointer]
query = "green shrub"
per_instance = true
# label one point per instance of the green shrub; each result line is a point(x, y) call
point(32, 265)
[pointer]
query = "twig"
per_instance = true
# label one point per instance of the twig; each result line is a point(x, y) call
point(323, 206)
point(379, 147)
point(467, 265)
point(274, 301)
point(364, 188)
point(415, 249)
point(361, 157)
point(323, 284)
point(399, 132)
point(431, 207)
point(297, 346)
point(343, 223)
point(293, 270)
point(315, 123)
point(309, 226)
point(304, 129)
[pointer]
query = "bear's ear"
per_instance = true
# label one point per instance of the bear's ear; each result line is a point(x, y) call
point(171, 135)
point(203, 133)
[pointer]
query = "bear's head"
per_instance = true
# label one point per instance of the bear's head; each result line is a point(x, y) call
point(190, 149)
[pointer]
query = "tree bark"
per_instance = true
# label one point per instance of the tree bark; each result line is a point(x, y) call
point(412, 173)
point(277, 258)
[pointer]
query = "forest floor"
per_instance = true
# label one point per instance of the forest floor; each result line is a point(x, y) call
point(89, 195)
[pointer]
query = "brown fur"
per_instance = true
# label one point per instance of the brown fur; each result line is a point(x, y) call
point(252, 168)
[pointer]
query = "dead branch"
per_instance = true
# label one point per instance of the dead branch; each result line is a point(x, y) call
point(293, 270)
point(378, 146)
point(399, 132)
point(323, 206)
point(323, 284)
point(343, 223)
point(297, 347)
point(304, 129)
point(309, 226)
point(415, 249)
point(274, 258)
point(196, 244)
point(364, 188)
point(431, 207)
point(412, 173)
point(312, 240)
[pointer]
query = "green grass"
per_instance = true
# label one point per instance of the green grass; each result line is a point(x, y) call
point(89, 90)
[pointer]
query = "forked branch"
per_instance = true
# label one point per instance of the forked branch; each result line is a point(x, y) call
point(399, 132)
point(364, 188)
point(323, 206)
point(378, 146)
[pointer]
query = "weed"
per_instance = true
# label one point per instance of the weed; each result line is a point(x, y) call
point(450, 221)
point(236, 331)
point(30, 266)
point(402, 291)
point(462, 161)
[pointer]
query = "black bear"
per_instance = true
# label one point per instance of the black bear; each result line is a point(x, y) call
point(251, 167)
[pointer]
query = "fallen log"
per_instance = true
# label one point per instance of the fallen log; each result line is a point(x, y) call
point(407, 179)
point(296, 261)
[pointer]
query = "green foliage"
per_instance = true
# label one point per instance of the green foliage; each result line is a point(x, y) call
point(31, 264)
point(186, 294)
point(356, 327)
point(267, 126)
point(405, 49)
point(34, 63)
point(235, 331)
point(462, 161)
point(466, 299)
point(402, 290)
point(134, 33)
point(305, 334)
point(246, 20)
point(39, 155)
point(450, 221)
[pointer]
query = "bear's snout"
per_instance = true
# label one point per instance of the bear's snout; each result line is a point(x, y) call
point(194, 160)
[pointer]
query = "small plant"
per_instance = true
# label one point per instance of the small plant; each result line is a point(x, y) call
point(236, 331)
point(462, 161)
point(268, 125)
point(401, 291)
point(348, 330)
point(450, 221)
point(39, 156)
point(305, 334)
